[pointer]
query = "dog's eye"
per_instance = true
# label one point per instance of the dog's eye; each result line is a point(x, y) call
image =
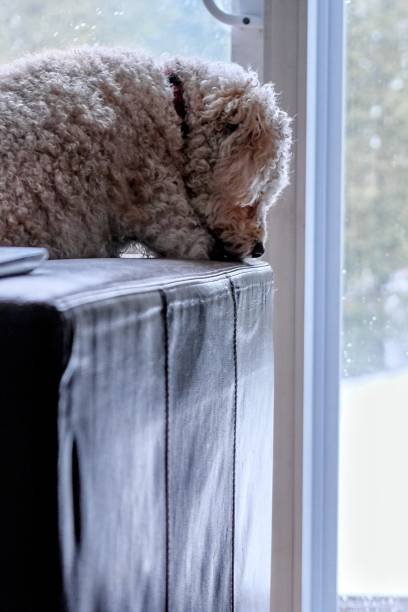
point(229, 128)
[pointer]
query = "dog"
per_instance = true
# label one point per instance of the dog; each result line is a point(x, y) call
point(100, 146)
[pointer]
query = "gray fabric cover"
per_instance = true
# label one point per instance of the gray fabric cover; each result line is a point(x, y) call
point(137, 407)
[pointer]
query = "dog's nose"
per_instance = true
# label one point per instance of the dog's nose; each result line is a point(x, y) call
point(258, 249)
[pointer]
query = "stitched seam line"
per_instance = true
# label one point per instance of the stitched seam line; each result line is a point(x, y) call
point(131, 288)
point(166, 446)
point(234, 445)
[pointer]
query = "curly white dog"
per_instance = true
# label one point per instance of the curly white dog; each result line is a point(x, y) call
point(99, 146)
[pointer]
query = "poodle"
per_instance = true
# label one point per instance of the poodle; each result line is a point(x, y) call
point(99, 146)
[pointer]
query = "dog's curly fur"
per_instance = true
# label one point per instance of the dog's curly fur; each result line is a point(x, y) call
point(92, 153)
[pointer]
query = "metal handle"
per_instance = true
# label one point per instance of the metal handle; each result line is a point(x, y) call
point(242, 21)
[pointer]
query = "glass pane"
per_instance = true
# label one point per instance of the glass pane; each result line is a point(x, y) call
point(174, 26)
point(373, 529)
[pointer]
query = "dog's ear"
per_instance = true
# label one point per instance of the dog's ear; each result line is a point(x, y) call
point(254, 148)
point(253, 132)
point(236, 110)
point(222, 105)
point(250, 154)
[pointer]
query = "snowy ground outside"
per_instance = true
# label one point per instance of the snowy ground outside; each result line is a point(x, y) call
point(373, 509)
point(373, 604)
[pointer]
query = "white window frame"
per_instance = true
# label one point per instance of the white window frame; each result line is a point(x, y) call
point(247, 45)
point(324, 240)
point(303, 54)
point(306, 49)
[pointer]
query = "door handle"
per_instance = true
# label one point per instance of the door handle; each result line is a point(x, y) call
point(239, 21)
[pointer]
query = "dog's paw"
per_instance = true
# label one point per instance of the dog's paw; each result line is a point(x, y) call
point(137, 250)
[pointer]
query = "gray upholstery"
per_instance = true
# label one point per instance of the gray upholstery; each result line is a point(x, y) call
point(136, 400)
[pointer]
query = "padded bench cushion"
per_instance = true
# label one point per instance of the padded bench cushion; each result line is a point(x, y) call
point(136, 440)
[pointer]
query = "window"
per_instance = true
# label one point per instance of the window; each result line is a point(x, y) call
point(182, 26)
point(354, 548)
point(373, 527)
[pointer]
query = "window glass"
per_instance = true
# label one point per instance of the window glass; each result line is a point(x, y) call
point(157, 26)
point(373, 528)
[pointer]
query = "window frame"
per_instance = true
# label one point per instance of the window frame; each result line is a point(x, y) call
point(324, 246)
point(304, 57)
point(247, 45)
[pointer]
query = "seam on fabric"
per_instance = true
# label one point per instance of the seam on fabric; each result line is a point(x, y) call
point(207, 299)
point(129, 288)
point(166, 445)
point(234, 445)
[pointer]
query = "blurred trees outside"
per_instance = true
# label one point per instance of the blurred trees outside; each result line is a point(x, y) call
point(375, 274)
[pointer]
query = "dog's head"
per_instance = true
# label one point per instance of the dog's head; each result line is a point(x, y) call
point(237, 153)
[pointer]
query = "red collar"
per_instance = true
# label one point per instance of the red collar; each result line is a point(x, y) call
point(179, 102)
